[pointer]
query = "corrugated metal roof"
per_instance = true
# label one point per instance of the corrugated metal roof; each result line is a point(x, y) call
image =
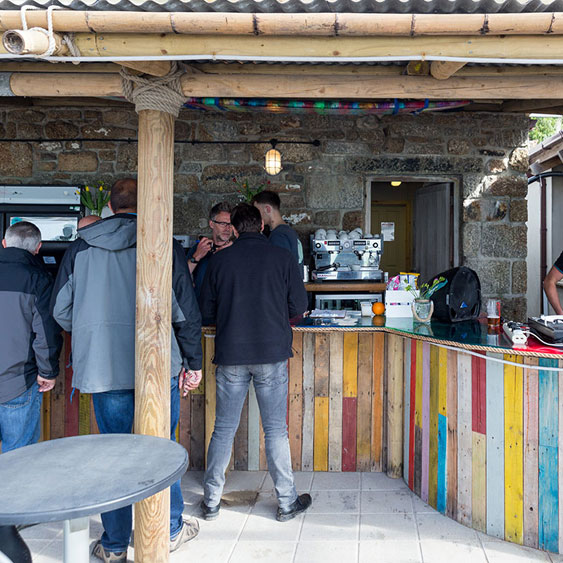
point(296, 6)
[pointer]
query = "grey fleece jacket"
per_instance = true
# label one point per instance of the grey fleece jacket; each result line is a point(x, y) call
point(94, 298)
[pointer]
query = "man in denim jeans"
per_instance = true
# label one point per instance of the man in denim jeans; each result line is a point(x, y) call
point(94, 298)
point(250, 292)
point(30, 340)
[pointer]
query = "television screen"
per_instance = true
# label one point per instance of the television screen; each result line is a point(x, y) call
point(53, 228)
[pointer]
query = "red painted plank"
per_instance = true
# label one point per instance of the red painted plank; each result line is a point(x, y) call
point(478, 394)
point(71, 410)
point(349, 433)
point(411, 414)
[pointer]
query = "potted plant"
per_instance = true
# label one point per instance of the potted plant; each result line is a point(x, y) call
point(95, 198)
point(422, 306)
point(246, 193)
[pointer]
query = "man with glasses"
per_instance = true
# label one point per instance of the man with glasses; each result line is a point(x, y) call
point(221, 237)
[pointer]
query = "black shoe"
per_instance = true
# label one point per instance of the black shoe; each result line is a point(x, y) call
point(209, 512)
point(302, 503)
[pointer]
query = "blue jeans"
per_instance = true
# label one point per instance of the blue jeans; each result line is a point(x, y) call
point(19, 420)
point(270, 383)
point(114, 415)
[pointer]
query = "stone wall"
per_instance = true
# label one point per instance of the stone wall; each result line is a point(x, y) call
point(322, 186)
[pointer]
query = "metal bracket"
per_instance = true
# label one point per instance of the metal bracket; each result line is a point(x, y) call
point(5, 89)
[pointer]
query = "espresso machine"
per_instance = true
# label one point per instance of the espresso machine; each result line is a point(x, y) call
point(346, 256)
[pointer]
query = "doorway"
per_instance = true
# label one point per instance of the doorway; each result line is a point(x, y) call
point(418, 223)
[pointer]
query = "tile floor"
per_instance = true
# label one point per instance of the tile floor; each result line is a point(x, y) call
point(355, 517)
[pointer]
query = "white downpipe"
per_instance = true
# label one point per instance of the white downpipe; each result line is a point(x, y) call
point(287, 59)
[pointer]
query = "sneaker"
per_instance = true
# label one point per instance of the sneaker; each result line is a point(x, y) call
point(302, 503)
point(188, 531)
point(108, 556)
point(209, 512)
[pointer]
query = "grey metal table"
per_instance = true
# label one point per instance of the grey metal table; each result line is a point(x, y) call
point(71, 478)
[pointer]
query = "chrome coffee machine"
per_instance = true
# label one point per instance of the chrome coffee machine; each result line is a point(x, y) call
point(346, 255)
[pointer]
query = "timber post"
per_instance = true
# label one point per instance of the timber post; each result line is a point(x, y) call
point(394, 405)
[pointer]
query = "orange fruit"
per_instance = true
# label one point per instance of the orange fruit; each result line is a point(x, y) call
point(378, 308)
point(378, 321)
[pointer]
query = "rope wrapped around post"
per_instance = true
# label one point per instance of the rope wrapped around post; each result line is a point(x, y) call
point(156, 93)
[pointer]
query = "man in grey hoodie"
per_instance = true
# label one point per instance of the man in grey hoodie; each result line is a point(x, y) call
point(94, 298)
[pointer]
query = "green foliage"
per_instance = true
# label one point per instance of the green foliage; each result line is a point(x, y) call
point(544, 128)
point(95, 198)
point(246, 193)
point(426, 290)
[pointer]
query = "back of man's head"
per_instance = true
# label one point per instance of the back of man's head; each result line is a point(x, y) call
point(23, 235)
point(124, 196)
point(246, 219)
point(267, 198)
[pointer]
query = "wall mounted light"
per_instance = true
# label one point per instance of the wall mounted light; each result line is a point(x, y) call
point(273, 164)
point(396, 183)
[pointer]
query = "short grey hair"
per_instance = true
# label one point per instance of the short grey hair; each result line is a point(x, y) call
point(23, 235)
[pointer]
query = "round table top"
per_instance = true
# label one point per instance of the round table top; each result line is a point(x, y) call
point(75, 477)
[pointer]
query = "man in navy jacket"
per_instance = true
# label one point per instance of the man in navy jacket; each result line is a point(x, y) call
point(250, 292)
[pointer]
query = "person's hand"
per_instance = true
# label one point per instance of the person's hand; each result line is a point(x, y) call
point(45, 384)
point(203, 248)
point(190, 381)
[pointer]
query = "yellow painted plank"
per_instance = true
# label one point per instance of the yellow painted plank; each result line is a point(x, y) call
point(513, 452)
point(443, 381)
point(83, 414)
point(433, 446)
point(320, 447)
point(478, 485)
point(418, 390)
point(350, 375)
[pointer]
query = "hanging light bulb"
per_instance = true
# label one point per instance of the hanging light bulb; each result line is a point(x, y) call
point(273, 163)
point(396, 183)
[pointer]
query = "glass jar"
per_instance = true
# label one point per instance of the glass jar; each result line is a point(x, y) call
point(422, 310)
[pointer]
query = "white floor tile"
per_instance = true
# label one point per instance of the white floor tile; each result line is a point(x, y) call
point(388, 527)
point(381, 502)
point(335, 502)
point(380, 482)
point(447, 551)
point(386, 551)
point(505, 552)
point(335, 527)
point(264, 527)
point(302, 480)
point(556, 557)
point(266, 503)
point(420, 506)
point(244, 481)
point(263, 551)
point(327, 552)
point(227, 527)
point(46, 531)
point(203, 552)
point(438, 527)
point(192, 481)
point(328, 481)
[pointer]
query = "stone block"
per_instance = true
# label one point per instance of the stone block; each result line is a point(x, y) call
point(471, 210)
point(291, 201)
point(106, 168)
point(511, 186)
point(458, 146)
point(514, 309)
point(491, 152)
point(327, 219)
point(496, 166)
point(99, 131)
point(202, 153)
point(420, 165)
point(297, 217)
point(504, 241)
point(126, 158)
point(184, 183)
point(346, 148)
point(78, 162)
point(519, 159)
point(183, 131)
point(26, 115)
point(394, 144)
point(16, 159)
point(29, 130)
point(119, 117)
point(334, 192)
point(496, 210)
point(190, 212)
point(218, 178)
point(217, 130)
point(508, 137)
point(471, 239)
point(518, 210)
point(353, 219)
point(46, 166)
point(65, 115)
point(106, 155)
point(426, 147)
point(494, 275)
point(190, 168)
point(372, 134)
point(519, 277)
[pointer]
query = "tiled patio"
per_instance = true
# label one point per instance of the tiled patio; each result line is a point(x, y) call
point(355, 517)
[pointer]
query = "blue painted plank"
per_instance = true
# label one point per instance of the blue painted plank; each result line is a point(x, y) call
point(406, 408)
point(548, 485)
point(442, 480)
point(495, 446)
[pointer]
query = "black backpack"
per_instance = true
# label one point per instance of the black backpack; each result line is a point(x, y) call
point(460, 299)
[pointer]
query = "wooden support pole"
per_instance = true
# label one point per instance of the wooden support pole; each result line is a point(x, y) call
point(153, 324)
point(154, 68)
point(394, 376)
point(441, 70)
point(304, 87)
point(319, 24)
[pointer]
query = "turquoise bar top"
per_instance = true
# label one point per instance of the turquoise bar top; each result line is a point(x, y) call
point(470, 333)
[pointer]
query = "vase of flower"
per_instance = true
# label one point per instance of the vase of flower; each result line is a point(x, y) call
point(423, 306)
point(422, 309)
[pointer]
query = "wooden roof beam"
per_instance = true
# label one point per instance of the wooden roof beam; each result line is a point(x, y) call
point(441, 70)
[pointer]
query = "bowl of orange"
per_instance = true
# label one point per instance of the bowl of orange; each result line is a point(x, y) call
point(378, 308)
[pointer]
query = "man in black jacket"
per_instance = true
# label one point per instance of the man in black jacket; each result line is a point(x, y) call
point(30, 340)
point(251, 290)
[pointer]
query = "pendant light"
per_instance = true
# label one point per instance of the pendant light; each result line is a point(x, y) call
point(273, 164)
